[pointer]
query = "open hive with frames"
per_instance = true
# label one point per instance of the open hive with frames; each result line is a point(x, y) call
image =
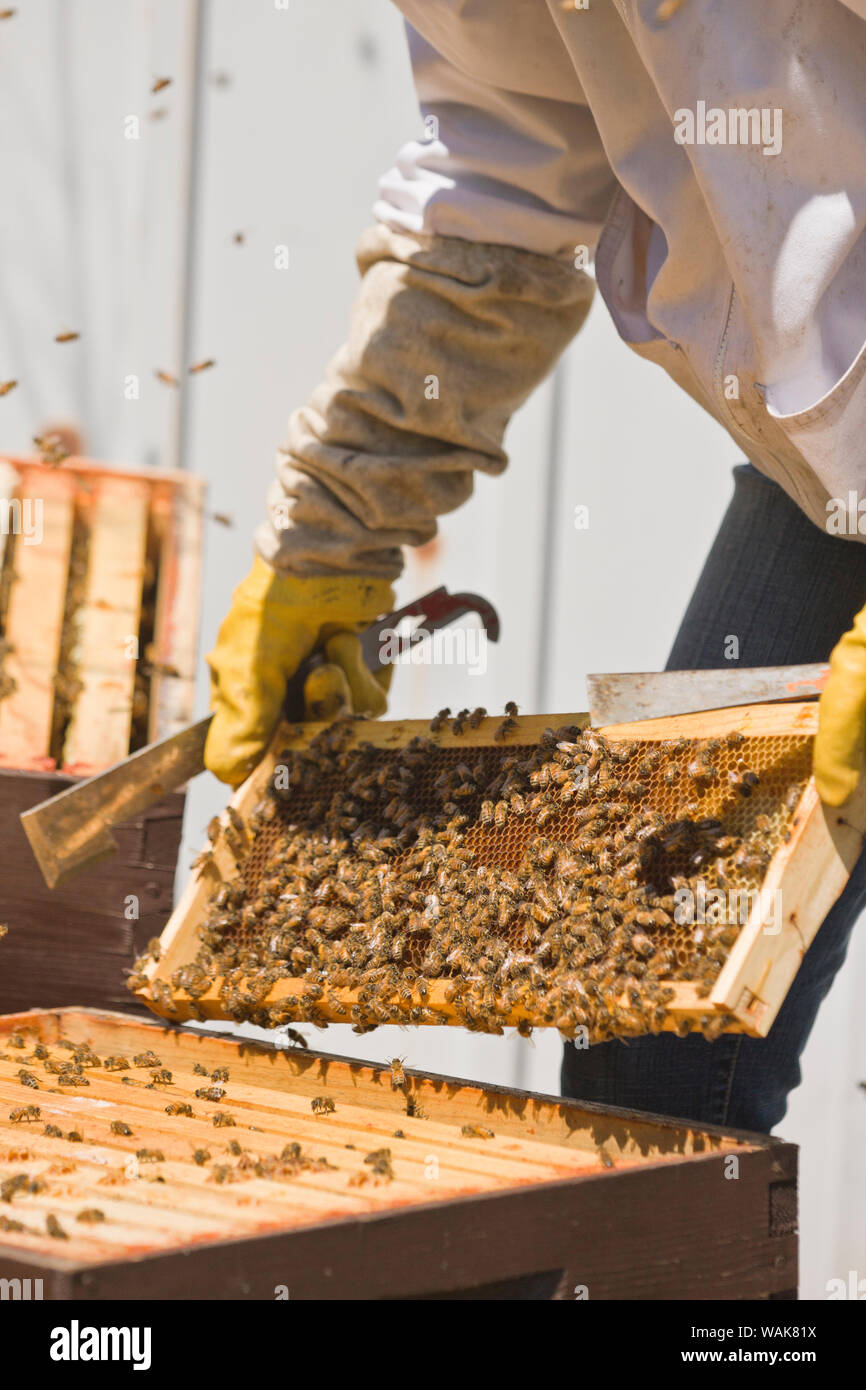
point(525, 871)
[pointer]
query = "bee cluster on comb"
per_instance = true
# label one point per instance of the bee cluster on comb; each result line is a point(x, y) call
point(537, 883)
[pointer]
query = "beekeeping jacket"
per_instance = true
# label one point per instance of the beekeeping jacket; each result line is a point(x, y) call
point(708, 155)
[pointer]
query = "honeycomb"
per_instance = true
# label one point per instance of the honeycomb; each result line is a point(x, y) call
point(539, 879)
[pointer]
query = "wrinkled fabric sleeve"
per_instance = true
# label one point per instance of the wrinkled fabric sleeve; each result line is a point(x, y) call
point(449, 333)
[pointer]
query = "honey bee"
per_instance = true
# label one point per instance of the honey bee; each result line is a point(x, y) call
point(205, 861)
point(120, 1127)
point(211, 1093)
point(150, 1155)
point(322, 1105)
point(161, 993)
point(116, 1063)
point(179, 1107)
point(476, 716)
point(398, 1079)
point(744, 781)
point(477, 1132)
point(146, 1059)
point(27, 1079)
point(52, 449)
point(200, 1157)
point(53, 1132)
point(23, 1114)
point(53, 1228)
point(380, 1162)
point(222, 1120)
point(91, 1216)
point(438, 720)
point(792, 798)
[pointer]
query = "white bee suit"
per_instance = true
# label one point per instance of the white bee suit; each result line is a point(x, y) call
point(711, 155)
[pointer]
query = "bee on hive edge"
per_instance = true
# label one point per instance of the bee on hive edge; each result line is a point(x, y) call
point(477, 1132)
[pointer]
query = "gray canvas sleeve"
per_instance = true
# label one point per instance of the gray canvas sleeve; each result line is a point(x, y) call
point(447, 338)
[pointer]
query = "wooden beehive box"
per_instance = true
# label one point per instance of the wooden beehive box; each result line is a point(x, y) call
point(99, 598)
point(813, 850)
point(486, 1192)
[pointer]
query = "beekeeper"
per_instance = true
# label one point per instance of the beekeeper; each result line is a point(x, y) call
point(709, 157)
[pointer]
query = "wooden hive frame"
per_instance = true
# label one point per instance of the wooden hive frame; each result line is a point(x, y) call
point(809, 870)
point(122, 526)
point(558, 1193)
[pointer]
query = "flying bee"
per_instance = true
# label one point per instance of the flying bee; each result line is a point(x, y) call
point(6, 387)
point(166, 378)
point(203, 366)
point(205, 860)
point(52, 449)
point(159, 84)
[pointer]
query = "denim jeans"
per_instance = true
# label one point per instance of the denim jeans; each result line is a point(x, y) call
point(788, 591)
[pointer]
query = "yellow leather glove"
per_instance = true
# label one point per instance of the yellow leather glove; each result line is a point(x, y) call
point(275, 622)
point(839, 746)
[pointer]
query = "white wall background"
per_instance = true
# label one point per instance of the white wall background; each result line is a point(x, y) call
point(298, 111)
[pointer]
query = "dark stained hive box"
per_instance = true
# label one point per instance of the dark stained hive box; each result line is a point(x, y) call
point(486, 1192)
point(98, 631)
